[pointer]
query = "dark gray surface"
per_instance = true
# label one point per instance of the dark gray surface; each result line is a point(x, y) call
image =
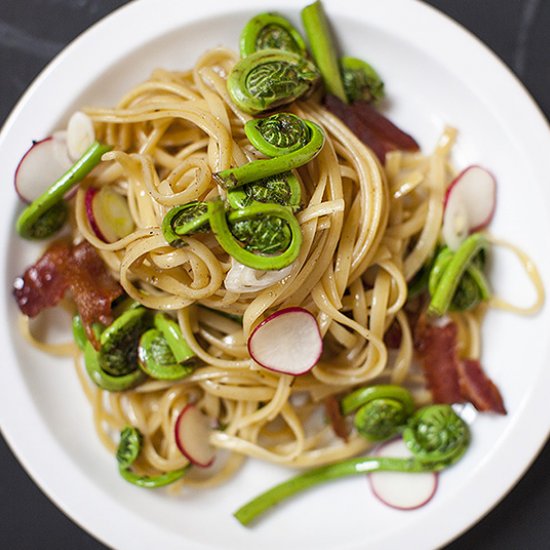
point(33, 31)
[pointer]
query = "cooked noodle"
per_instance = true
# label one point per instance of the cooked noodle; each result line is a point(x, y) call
point(366, 232)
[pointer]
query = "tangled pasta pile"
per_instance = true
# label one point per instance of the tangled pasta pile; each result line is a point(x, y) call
point(368, 234)
point(366, 231)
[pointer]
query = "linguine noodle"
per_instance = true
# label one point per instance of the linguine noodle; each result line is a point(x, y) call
point(366, 232)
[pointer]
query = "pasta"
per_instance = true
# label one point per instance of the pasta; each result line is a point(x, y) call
point(367, 231)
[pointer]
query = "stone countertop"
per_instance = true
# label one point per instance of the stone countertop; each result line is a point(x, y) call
point(33, 31)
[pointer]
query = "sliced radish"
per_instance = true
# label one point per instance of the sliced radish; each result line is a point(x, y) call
point(469, 204)
point(108, 213)
point(192, 432)
point(80, 134)
point(402, 490)
point(43, 164)
point(288, 341)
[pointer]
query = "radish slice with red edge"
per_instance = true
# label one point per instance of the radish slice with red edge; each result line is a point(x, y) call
point(402, 490)
point(108, 214)
point(41, 166)
point(288, 341)
point(469, 204)
point(80, 135)
point(192, 433)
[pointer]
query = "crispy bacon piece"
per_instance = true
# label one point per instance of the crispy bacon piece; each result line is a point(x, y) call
point(371, 127)
point(449, 378)
point(338, 422)
point(384, 127)
point(92, 287)
point(479, 389)
point(437, 349)
point(61, 268)
point(44, 283)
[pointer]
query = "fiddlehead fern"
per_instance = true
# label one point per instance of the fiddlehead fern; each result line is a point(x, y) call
point(267, 79)
point(186, 219)
point(163, 353)
point(259, 237)
point(278, 134)
point(283, 189)
point(129, 448)
point(306, 144)
point(270, 31)
point(382, 412)
point(49, 222)
point(119, 342)
point(107, 381)
point(456, 279)
point(92, 364)
point(266, 234)
point(361, 81)
point(157, 360)
point(436, 436)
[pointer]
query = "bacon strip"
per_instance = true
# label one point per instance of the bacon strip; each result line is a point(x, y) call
point(61, 268)
point(44, 283)
point(371, 127)
point(450, 379)
point(478, 389)
point(437, 349)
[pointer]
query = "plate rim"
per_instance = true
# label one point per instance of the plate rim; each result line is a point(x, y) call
point(428, 14)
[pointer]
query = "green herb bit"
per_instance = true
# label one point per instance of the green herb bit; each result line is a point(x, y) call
point(271, 31)
point(283, 189)
point(270, 78)
point(436, 436)
point(361, 81)
point(323, 48)
point(237, 249)
point(129, 448)
point(186, 219)
point(382, 412)
point(456, 280)
point(34, 222)
point(261, 169)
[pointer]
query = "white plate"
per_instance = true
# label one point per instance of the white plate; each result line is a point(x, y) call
point(435, 74)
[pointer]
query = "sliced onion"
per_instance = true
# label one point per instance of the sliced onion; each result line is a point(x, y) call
point(243, 279)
